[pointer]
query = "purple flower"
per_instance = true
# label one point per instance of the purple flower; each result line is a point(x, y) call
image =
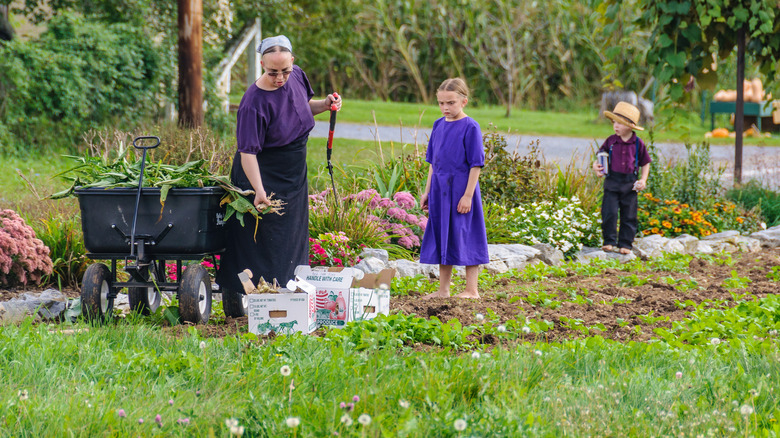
point(404, 200)
point(350, 406)
point(170, 402)
point(140, 421)
point(343, 405)
point(184, 421)
point(121, 413)
point(158, 419)
point(356, 398)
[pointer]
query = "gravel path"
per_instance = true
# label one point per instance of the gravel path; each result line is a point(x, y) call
point(758, 161)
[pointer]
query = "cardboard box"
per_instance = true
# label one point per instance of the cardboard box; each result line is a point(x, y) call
point(283, 313)
point(344, 294)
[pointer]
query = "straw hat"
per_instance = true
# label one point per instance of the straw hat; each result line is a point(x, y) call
point(626, 114)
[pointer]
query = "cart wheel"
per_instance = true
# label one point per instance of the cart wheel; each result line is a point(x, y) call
point(235, 304)
point(145, 300)
point(195, 294)
point(95, 287)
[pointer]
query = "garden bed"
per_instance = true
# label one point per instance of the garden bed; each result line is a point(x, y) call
point(581, 299)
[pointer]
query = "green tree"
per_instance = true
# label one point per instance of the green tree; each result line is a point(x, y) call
point(687, 33)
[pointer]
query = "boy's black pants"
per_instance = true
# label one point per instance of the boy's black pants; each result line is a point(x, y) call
point(619, 196)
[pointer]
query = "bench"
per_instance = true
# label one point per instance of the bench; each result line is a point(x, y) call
point(757, 109)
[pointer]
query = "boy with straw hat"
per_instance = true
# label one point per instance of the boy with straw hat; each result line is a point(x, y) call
point(626, 174)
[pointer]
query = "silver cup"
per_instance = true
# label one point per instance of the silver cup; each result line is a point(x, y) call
point(603, 158)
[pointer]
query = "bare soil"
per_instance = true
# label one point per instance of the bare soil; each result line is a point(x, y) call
point(618, 307)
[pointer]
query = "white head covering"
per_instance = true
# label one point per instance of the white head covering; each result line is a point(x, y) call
point(279, 40)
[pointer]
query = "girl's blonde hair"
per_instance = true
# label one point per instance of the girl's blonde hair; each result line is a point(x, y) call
point(457, 85)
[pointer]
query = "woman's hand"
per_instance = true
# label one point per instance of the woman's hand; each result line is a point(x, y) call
point(261, 199)
point(464, 206)
point(334, 99)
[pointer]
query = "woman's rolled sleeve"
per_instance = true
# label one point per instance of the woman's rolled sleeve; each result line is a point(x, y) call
point(250, 131)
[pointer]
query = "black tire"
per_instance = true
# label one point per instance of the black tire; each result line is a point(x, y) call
point(195, 295)
point(145, 300)
point(235, 304)
point(96, 303)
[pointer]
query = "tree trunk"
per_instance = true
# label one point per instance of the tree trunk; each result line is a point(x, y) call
point(6, 30)
point(190, 63)
point(739, 120)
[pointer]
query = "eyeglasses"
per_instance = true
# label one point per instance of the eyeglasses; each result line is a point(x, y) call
point(274, 74)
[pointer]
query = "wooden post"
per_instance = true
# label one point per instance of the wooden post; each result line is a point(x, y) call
point(739, 121)
point(190, 63)
point(253, 58)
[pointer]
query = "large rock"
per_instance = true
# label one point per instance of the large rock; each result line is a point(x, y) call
point(514, 256)
point(656, 245)
point(47, 305)
point(769, 238)
point(690, 244)
point(405, 268)
point(549, 254)
point(370, 265)
point(586, 255)
point(725, 235)
point(380, 254)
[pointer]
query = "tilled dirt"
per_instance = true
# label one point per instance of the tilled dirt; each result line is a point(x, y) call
point(627, 312)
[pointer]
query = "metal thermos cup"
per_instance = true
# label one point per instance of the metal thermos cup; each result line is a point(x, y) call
point(603, 158)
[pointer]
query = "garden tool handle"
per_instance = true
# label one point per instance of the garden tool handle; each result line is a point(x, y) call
point(332, 126)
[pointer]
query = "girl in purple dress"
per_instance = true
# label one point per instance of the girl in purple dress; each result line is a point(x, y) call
point(274, 119)
point(455, 234)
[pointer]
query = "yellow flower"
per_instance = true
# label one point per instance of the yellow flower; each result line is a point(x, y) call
point(666, 224)
point(684, 206)
point(677, 229)
point(740, 220)
point(655, 230)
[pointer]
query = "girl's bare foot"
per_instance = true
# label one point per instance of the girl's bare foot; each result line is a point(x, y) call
point(469, 295)
point(625, 251)
point(437, 294)
point(607, 248)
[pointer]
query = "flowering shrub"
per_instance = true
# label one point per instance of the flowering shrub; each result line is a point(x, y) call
point(23, 257)
point(333, 249)
point(173, 275)
point(401, 220)
point(561, 223)
point(671, 218)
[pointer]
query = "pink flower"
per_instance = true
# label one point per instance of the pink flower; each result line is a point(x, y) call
point(356, 398)
point(158, 419)
point(343, 405)
point(121, 413)
point(184, 421)
point(404, 200)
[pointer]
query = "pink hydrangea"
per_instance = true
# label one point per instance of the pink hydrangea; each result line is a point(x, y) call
point(404, 200)
point(23, 257)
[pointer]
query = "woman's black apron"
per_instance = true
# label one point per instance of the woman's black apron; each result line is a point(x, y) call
point(282, 242)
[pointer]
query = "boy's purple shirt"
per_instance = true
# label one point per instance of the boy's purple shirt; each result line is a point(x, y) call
point(623, 153)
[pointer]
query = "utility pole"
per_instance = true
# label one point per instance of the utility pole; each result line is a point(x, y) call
point(190, 63)
point(739, 120)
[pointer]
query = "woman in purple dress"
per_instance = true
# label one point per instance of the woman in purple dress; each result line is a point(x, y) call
point(455, 234)
point(275, 117)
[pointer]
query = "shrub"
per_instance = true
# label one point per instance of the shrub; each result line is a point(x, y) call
point(333, 249)
point(23, 258)
point(753, 196)
point(561, 223)
point(79, 74)
point(508, 178)
point(691, 182)
point(63, 237)
point(672, 218)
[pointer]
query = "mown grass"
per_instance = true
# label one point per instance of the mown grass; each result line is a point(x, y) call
point(671, 127)
point(75, 385)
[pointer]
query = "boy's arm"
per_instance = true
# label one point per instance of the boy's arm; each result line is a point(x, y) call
point(641, 183)
point(464, 206)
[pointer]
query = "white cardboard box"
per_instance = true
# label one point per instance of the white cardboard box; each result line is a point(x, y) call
point(283, 313)
point(341, 298)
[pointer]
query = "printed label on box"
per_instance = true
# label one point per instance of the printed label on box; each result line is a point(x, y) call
point(281, 313)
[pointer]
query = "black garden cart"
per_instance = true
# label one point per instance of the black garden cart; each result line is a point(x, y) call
point(135, 227)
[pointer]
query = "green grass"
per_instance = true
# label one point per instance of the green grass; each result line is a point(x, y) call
point(580, 124)
point(76, 384)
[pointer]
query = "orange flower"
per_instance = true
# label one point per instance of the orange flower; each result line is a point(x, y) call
point(655, 230)
point(666, 224)
point(677, 229)
point(740, 220)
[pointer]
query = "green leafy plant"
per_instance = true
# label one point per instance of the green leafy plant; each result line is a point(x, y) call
point(333, 249)
point(65, 241)
point(509, 179)
point(753, 196)
point(736, 281)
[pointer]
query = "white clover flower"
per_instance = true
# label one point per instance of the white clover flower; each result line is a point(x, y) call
point(364, 419)
point(475, 355)
point(231, 423)
point(678, 375)
point(501, 329)
point(285, 370)
point(237, 430)
point(526, 329)
point(293, 422)
point(714, 341)
point(479, 317)
point(460, 425)
point(404, 404)
point(538, 353)
point(346, 420)
point(746, 410)
point(23, 395)
point(202, 345)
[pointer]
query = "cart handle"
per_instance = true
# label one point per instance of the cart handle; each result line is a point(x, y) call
point(140, 183)
point(146, 137)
